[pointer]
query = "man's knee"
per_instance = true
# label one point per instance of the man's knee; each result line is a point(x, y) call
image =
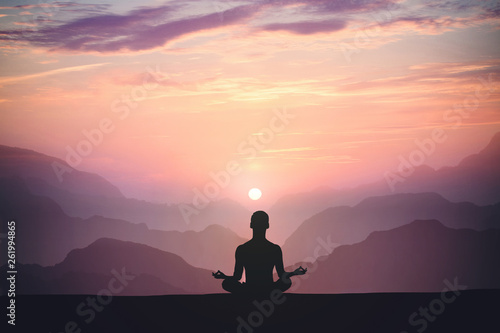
point(227, 284)
point(230, 285)
point(284, 285)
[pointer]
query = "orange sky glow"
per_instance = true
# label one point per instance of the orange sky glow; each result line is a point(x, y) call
point(163, 98)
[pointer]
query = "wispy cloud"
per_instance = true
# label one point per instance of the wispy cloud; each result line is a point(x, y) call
point(54, 4)
point(287, 150)
point(141, 29)
point(306, 27)
point(424, 78)
point(148, 28)
point(14, 79)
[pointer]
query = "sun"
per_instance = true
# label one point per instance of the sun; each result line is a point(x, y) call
point(254, 194)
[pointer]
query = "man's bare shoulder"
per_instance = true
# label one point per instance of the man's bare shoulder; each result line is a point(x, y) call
point(276, 247)
point(243, 247)
point(251, 243)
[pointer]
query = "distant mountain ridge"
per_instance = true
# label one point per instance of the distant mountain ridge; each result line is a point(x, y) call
point(83, 194)
point(416, 257)
point(27, 163)
point(48, 234)
point(157, 272)
point(475, 179)
point(423, 256)
point(348, 225)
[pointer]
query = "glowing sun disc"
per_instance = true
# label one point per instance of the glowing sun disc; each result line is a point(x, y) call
point(254, 194)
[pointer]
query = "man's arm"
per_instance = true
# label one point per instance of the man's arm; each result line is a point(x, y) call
point(238, 264)
point(281, 270)
point(238, 268)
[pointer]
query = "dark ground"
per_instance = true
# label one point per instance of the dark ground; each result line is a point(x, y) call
point(471, 311)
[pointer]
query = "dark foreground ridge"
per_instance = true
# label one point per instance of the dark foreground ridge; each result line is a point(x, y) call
point(462, 311)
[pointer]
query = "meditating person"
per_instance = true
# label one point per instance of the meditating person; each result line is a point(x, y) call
point(258, 257)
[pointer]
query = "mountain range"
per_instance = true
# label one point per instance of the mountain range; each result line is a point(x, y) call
point(417, 257)
point(82, 194)
point(423, 256)
point(475, 179)
point(49, 233)
point(71, 232)
point(88, 270)
point(25, 163)
point(348, 225)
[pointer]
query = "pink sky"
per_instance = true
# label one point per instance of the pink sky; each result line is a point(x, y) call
point(291, 95)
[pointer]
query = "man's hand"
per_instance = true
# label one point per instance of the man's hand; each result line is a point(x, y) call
point(300, 271)
point(219, 275)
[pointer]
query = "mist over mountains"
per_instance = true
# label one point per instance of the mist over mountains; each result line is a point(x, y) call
point(28, 164)
point(51, 233)
point(436, 225)
point(418, 256)
point(475, 179)
point(82, 194)
point(151, 271)
point(348, 225)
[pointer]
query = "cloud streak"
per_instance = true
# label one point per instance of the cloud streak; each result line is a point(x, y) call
point(307, 28)
point(148, 28)
point(137, 31)
point(14, 79)
point(53, 4)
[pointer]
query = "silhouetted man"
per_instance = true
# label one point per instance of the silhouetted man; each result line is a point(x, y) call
point(259, 257)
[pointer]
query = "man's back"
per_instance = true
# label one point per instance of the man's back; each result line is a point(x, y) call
point(258, 257)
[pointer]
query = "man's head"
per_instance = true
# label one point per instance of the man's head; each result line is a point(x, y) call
point(259, 220)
